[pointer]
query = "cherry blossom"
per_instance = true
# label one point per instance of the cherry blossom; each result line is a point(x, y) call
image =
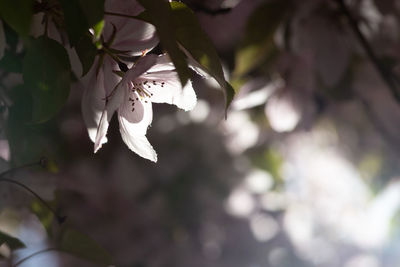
point(123, 34)
point(153, 79)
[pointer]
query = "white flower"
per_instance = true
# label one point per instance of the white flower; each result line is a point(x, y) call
point(130, 35)
point(153, 79)
point(133, 36)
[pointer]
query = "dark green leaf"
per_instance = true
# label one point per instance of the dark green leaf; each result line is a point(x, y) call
point(80, 15)
point(17, 14)
point(12, 242)
point(11, 62)
point(229, 94)
point(75, 20)
point(86, 51)
point(46, 71)
point(93, 10)
point(258, 43)
point(192, 37)
point(84, 247)
point(160, 15)
point(27, 141)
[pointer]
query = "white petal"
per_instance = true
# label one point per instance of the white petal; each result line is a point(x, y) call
point(110, 78)
point(141, 66)
point(95, 92)
point(167, 88)
point(139, 144)
point(163, 82)
point(132, 35)
point(162, 63)
point(93, 102)
point(2, 40)
point(133, 126)
point(114, 102)
point(137, 117)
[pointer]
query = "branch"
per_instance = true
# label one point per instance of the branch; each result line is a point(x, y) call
point(60, 218)
point(385, 74)
point(42, 162)
point(209, 11)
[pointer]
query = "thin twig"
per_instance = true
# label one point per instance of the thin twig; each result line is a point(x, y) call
point(119, 15)
point(386, 75)
point(60, 218)
point(209, 11)
point(5, 173)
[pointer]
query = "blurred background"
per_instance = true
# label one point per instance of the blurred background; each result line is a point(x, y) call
point(304, 171)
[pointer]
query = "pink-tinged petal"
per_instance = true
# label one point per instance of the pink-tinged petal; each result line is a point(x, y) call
point(110, 78)
point(93, 101)
point(132, 35)
point(163, 63)
point(139, 144)
point(133, 123)
point(136, 37)
point(137, 114)
point(113, 103)
point(165, 87)
point(96, 87)
point(141, 66)
point(2, 40)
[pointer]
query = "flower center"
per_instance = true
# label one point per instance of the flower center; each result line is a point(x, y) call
point(143, 91)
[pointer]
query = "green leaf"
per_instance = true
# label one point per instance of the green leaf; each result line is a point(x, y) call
point(160, 15)
point(11, 62)
point(93, 10)
point(84, 247)
point(86, 51)
point(75, 20)
point(80, 15)
point(192, 37)
point(98, 29)
point(12, 242)
point(17, 14)
point(258, 43)
point(46, 70)
point(28, 142)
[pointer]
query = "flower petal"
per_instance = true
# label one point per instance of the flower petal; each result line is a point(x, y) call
point(132, 35)
point(114, 101)
point(93, 102)
point(96, 88)
point(136, 114)
point(133, 126)
point(141, 66)
point(139, 144)
point(166, 87)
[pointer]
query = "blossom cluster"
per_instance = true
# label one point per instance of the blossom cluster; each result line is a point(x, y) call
point(129, 88)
